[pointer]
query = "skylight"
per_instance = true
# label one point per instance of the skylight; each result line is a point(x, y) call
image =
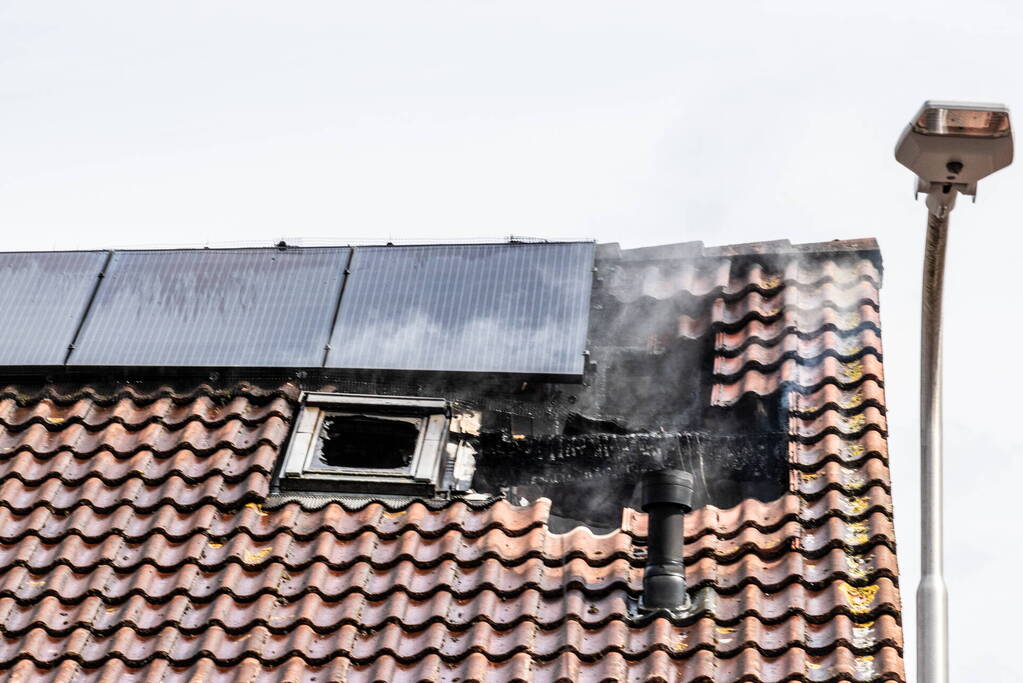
point(352, 443)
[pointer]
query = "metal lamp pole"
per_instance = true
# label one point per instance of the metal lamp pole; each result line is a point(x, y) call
point(950, 146)
point(931, 595)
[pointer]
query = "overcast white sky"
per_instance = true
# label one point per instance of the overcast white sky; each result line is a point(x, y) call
point(128, 123)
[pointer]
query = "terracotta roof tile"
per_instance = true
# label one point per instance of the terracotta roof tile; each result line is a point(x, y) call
point(174, 490)
point(363, 646)
point(832, 397)
point(262, 523)
point(781, 321)
point(836, 448)
point(844, 347)
point(125, 411)
point(719, 277)
point(842, 664)
point(803, 378)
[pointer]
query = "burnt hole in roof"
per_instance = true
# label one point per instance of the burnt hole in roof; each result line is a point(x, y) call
point(590, 477)
point(367, 442)
point(644, 404)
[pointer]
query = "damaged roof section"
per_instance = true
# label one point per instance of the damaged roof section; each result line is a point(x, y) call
point(695, 356)
point(670, 356)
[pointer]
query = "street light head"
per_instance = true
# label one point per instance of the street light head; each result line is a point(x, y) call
point(956, 143)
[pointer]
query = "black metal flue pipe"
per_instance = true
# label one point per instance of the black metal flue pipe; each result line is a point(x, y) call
point(667, 496)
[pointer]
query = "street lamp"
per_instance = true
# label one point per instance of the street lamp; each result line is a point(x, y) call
point(950, 146)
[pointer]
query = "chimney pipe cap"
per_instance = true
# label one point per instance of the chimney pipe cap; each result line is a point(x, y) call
point(667, 487)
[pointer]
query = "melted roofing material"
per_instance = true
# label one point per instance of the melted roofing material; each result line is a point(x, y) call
point(42, 299)
point(516, 308)
point(214, 307)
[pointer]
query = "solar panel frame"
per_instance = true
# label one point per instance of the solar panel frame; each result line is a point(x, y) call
point(516, 308)
point(43, 296)
point(251, 307)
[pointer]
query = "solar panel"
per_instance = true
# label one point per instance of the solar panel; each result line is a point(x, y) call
point(214, 308)
point(42, 299)
point(499, 308)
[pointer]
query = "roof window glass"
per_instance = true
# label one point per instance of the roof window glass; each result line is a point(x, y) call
point(349, 441)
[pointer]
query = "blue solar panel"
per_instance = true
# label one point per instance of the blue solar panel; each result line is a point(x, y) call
point(492, 308)
point(214, 308)
point(42, 299)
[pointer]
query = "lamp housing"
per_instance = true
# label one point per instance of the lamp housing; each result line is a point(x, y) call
point(956, 143)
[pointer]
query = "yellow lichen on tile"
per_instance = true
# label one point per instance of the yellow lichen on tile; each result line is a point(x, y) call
point(856, 483)
point(857, 533)
point(856, 504)
point(852, 451)
point(854, 400)
point(258, 508)
point(852, 371)
point(256, 556)
point(859, 599)
point(855, 423)
point(807, 406)
point(725, 635)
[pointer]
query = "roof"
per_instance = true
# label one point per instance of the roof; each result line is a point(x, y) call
point(138, 539)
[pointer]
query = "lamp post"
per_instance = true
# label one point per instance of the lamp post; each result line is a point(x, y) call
point(950, 146)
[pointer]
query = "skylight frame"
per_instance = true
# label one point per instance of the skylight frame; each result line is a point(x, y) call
point(422, 476)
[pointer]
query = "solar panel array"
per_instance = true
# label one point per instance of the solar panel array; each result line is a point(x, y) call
point(489, 308)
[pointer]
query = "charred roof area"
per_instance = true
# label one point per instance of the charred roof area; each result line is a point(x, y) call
point(589, 478)
point(652, 375)
point(643, 403)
